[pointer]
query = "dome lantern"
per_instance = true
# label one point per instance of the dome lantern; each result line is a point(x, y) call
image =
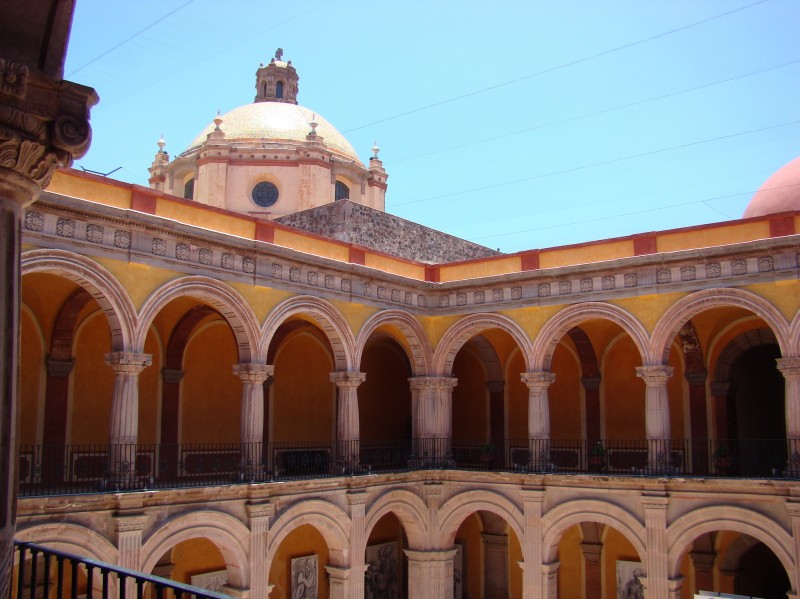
point(277, 82)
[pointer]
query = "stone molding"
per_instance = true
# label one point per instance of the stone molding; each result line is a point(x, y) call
point(347, 379)
point(538, 380)
point(432, 383)
point(250, 372)
point(654, 375)
point(128, 362)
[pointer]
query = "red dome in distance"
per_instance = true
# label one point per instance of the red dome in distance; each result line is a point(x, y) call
point(779, 193)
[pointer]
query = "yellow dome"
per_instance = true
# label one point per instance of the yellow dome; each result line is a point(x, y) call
point(277, 121)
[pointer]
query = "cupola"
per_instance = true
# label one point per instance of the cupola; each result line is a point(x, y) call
point(277, 82)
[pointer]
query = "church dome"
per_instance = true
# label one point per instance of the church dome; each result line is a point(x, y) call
point(278, 122)
point(779, 193)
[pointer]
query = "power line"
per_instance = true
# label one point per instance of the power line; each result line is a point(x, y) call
point(557, 67)
point(594, 164)
point(131, 37)
point(635, 212)
point(592, 114)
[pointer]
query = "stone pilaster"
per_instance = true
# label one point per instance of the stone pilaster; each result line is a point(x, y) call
point(495, 565)
point(790, 369)
point(128, 530)
point(430, 573)
point(44, 121)
point(340, 580)
point(357, 500)
point(550, 580)
point(538, 384)
point(656, 414)
point(258, 515)
point(592, 569)
point(703, 563)
point(252, 418)
point(432, 418)
point(656, 560)
point(532, 558)
point(124, 426)
point(347, 424)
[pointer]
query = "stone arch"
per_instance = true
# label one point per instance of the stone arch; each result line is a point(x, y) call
point(684, 309)
point(736, 347)
point(99, 282)
point(421, 354)
point(229, 535)
point(72, 538)
point(324, 315)
point(685, 529)
point(329, 519)
point(560, 519)
point(469, 326)
point(733, 556)
point(231, 306)
point(794, 336)
point(409, 508)
point(457, 508)
point(559, 325)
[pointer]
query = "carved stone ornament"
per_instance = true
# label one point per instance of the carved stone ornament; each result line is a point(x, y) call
point(43, 123)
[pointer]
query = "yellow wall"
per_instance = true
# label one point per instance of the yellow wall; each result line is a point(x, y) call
point(615, 548)
point(302, 396)
point(32, 379)
point(193, 557)
point(92, 383)
point(571, 580)
point(622, 392)
point(384, 398)
point(301, 542)
point(211, 396)
point(566, 410)
point(469, 537)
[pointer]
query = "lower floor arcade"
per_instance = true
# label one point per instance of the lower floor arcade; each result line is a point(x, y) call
point(446, 534)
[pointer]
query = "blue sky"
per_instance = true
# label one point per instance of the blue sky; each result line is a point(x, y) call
point(515, 124)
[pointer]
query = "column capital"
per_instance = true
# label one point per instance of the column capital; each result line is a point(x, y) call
point(59, 368)
point(250, 372)
point(532, 495)
point(171, 376)
point(259, 510)
point(789, 367)
point(339, 573)
point(696, 378)
point(129, 523)
point(591, 383)
point(128, 362)
point(348, 378)
point(434, 555)
point(655, 374)
point(538, 380)
point(45, 122)
point(432, 383)
point(592, 552)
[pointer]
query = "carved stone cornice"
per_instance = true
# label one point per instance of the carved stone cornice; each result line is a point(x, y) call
point(43, 123)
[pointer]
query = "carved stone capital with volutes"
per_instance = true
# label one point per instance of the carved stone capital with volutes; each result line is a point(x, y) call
point(44, 123)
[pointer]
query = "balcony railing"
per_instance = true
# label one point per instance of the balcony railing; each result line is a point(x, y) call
point(68, 469)
point(45, 572)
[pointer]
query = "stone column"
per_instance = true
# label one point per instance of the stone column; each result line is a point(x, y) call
point(357, 500)
point(124, 426)
point(592, 563)
point(698, 416)
point(44, 121)
point(790, 369)
point(347, 426)
point(793, 507)
point(657, 424)
point(430, 573)
point(656, 561)
point(674, 586)
point(538, 417)
point(532, 550)
point(258, 515)
point(128, 530)
point(252, 418)
point(432, 413)
point(495, 565)
point(340, 582)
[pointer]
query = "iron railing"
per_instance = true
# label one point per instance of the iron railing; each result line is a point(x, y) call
point(68, 469)
point(44, 572)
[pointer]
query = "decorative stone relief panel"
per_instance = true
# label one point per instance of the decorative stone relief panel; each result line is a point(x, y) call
point(381, 292)
point(586, 285)
point(444, 301)
point(367, 290)
point(688, 273)
point(183, 251)
point(544, 289)
point(396, 295)
point(312, 278)
point(664, 275)
point(739, 267)
point(497, 295)
point(277, 271)
point(228, 261)
point(122, 239)
point(294, 275)
point(34, 221)
point(713, 270)
point(205, 256)
point(409, 298)
point(480, 297)
point(565, 287)
point(766, 264)
point(346, 285)
point(249, 265)
point(330, 281)
point(159, 247)
point(421, 301)
point(631, 280)
point(461, 299)
point(608, 283)
point(516, 293)
point(65, 227)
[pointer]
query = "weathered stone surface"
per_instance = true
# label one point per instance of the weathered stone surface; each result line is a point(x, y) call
point(353, 223)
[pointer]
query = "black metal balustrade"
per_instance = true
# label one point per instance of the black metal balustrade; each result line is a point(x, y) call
point(67, 469)
point(44, 572)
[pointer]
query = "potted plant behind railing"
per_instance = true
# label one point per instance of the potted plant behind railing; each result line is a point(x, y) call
point(721, 458)
point(486, 455)
point(597, 457)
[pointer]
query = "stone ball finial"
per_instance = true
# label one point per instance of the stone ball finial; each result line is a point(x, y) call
point(217, 122)
point(375, 150)
point(161, 143)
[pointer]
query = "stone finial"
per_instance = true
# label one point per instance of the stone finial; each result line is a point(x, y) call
point(279, 54)
point(375, 150)
point(217, 122)
point(161, 143)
